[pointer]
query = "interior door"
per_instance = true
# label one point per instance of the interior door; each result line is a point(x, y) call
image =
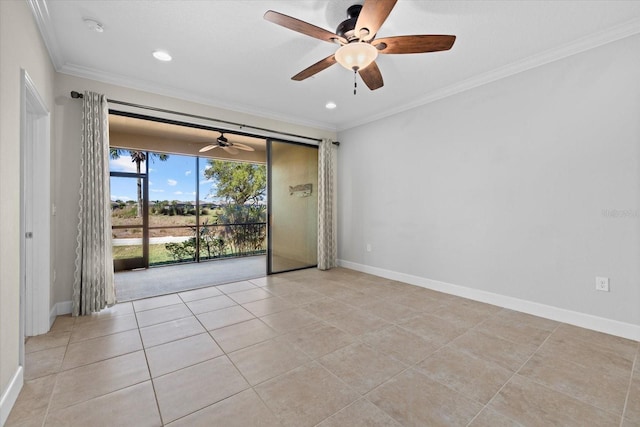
point(36, 211)
point(293, 206)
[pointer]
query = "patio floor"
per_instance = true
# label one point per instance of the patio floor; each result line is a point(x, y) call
point(137, 284)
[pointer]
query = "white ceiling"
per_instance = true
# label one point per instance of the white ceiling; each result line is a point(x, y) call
point(225, 54)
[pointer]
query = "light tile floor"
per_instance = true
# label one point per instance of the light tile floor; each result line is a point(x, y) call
point(336, 348)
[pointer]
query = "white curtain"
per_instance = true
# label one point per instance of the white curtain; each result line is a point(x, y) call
point(327, 230)
point(93, 287)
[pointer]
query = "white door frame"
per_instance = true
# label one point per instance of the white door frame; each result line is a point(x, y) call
point(35, 220)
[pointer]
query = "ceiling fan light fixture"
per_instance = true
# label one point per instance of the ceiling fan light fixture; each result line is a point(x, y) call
point(93, 25)
point(162, 55)
point(356, 55)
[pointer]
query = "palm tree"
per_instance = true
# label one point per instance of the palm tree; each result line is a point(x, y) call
point(137, 157)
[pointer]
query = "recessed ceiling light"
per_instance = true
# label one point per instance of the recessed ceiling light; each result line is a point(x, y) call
point(162, 55)
point(93, 25)
point(330, 105)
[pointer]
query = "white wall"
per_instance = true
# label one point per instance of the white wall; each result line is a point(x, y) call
point(66, 162)
point(20, 48)
point(504, 188)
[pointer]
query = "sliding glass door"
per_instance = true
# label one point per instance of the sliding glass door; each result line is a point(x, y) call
point(130, 235)
point(186, 221)
point(293, 206)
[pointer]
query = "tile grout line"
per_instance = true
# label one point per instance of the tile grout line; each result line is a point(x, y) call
point(513, 376)
point(486, 405)
point(60, 370)
point(357, 338)
point(208, 332)
point(633, 367)
point(409, 367)
point(146, 359)
point(413, 365)
point(224, 353)
point(311, 360)
point(447, 345)
point(570, 395)
point(251, 386)
point(360, 395)
point(46, 412)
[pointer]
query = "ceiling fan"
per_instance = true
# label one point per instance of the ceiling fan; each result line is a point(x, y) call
point(356, 36)
point(226, 145)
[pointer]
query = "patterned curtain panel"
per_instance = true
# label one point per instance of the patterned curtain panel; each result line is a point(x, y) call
point(93, 287)
point(327, 230)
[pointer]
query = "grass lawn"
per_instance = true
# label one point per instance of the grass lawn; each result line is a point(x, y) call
point(158, 254)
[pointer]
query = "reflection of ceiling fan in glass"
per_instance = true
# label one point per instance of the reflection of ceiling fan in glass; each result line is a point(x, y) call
point(226, 145)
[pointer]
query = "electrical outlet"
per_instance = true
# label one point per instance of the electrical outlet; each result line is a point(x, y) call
point(602, 284)
point(368, 247)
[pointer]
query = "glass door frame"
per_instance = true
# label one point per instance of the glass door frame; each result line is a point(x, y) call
point(133, 263)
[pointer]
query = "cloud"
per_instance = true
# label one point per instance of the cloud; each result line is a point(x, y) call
point(206, 181)
point(172, 182)
point(157, 190)
point(177, 192)
point(122, 164)
point(123, 198)
point(187, 173)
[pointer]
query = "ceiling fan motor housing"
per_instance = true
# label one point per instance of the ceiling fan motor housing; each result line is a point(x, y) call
point(347, 27)
point(222, 141)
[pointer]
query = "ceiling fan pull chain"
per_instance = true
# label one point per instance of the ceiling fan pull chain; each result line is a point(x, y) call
point(355, 81)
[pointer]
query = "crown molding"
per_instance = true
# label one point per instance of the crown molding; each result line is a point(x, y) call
point(164, 90)
point(628, 29)
point(42, 17)
point(40, 13)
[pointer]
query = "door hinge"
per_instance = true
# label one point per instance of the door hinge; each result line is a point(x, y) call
point(28, 235)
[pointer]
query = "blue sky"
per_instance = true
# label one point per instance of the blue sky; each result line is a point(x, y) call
point(174, 179)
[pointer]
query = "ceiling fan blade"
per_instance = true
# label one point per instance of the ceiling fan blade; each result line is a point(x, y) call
point(244, 147)
point(372, 16)
point(315, 68)
point(231, 150)
point(303, 27)
point(207, 148)
point(414, 44)
point(371, 76)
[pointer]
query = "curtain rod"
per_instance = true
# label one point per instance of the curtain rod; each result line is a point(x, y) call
point(76, 95)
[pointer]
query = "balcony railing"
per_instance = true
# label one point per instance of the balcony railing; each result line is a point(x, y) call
point(215, 241)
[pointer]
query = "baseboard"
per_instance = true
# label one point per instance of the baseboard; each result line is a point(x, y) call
point(583, 320)
point(58, 309)
point(10, 395)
